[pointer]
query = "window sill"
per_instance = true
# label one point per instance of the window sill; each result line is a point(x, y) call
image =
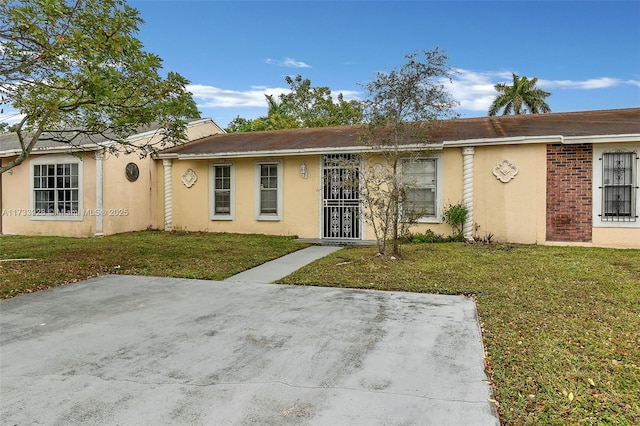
point(223, 218)
point(264, 218)
point(429, 220)
point(600, 224)
point(60, 218)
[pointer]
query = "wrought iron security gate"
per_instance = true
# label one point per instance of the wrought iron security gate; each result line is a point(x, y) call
point(341, 197)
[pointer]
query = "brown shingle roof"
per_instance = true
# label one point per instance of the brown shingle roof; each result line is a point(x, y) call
point(588, 123)
point(10, 144)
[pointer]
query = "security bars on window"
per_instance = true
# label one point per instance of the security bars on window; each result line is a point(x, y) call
point(619, 186)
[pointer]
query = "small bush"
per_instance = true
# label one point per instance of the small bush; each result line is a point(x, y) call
point(455, 216)
point(428, 237)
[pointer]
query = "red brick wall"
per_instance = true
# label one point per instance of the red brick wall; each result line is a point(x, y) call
point(569, 189)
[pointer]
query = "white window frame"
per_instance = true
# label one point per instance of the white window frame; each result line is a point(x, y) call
point(598, 185)
point(279, 191)
point(212, 192)
point(437, 217)
point(56, 159)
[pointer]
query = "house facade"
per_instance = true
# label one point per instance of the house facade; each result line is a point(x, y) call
point(84, 190)
point(566, 178)
point(560, 178)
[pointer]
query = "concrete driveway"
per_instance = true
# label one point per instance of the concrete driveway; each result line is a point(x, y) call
point(125, 350)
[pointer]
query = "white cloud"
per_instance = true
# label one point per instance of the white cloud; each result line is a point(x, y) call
point(474, 90)
point(213, 97)
point(10, 116)
point(594, 83)
point(287, 62)
point(348, 95)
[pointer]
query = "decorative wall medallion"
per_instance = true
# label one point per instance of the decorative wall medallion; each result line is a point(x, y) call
point(189, 178)
point(132, 171)
point(505, 171)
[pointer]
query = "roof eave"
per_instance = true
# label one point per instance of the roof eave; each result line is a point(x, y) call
point(524, 140)
point(292, 152)
point(516, 140)
point(54, 150)
point(151, 133)
point(631, 137)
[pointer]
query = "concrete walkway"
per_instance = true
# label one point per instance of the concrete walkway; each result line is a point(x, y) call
point(281, 267)
point(131, 350)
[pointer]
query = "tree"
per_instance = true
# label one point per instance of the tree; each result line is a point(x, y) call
point(314, 106)
point(304, 106)
point(75, 67)
point(239, 124)
point(400, 108)
point(519, 97)
point(275, 119)
point(7, 128)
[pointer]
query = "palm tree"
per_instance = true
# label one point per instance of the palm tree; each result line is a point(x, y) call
point(275, 107)
point(519, 97)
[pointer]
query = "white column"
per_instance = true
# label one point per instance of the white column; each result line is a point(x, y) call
point(99, 198)
point(168, 209)
point(467, 189)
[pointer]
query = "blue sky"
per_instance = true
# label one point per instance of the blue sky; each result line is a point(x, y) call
point(586, 53)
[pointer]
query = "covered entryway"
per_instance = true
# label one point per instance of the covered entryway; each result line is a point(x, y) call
point(341, 217)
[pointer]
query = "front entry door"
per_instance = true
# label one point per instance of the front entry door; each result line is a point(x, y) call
point(341, 197)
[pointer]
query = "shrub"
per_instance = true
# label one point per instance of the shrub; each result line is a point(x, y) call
point(428, 237)
point(455, 215)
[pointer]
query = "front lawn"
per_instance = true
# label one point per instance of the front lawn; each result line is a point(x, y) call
point(60, 260)
point(561, 326)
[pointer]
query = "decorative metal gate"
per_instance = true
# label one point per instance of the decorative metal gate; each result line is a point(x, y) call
point(341, 198)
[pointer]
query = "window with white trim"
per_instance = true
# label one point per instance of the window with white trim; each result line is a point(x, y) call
point(56, 188)
point(222, 192)
point(422, 190)
point(619, 188)
point(269, 190)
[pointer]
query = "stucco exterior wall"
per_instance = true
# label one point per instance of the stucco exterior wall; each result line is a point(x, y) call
point(301, 208)
point(616, 237)
point(17, 207)
point(128, 206)
point(512, 211)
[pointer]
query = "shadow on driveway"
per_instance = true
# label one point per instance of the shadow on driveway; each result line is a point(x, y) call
point(126, 350)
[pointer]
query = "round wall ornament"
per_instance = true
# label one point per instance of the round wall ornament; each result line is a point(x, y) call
point(132, 171)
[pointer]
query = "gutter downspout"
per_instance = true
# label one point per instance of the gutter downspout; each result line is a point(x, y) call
point(99, 195)
point(168, 207)
point(467, 190)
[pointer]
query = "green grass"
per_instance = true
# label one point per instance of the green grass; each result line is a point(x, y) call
point(561, 326)
point(60, 260)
